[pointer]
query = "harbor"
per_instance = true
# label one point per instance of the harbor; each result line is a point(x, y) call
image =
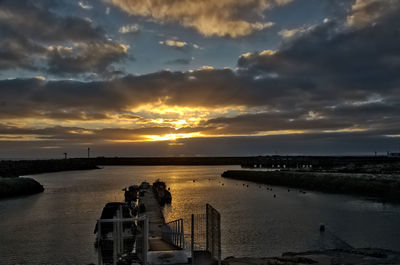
point(254, 223)
point(135, 231)
point(209, 132)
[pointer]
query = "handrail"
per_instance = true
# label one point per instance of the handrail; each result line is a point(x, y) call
point(172, 232)
point(174, 221)
point(118, 236)
point(112, 220)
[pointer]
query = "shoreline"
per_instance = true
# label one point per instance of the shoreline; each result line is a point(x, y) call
point(331, 180)
point(378, 186)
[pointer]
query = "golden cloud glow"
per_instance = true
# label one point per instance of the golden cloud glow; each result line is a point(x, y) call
point(188, 113)
point(393, 135)
point(209, 17)
point(156, 122)
point(263, 53)
point(290, 33)
point(20, 137)
point(346, 130)
point(366, 12)
point(171, 137)
point(129, 29)
point(174, 43)
point(80, 132)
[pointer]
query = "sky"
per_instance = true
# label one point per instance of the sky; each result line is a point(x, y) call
point(199, 77)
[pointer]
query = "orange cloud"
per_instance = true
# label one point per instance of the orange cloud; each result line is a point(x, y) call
point(367, 12)
point(209, 17)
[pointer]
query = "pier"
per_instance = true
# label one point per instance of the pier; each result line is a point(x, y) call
point(162, 249)
point(141, 235)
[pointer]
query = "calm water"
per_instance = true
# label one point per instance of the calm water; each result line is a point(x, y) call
point(56, 227)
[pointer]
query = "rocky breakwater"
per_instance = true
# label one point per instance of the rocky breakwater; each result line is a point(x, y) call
point(10, 187)
point(380, 186)
point(325, 257)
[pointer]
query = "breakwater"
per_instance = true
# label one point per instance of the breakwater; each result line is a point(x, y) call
point(10, 187)
point(159, 161)
point(12, 169)
point(386, 187)
point(366, 256)
point(345, 164)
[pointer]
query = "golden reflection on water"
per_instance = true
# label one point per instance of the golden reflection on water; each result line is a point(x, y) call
point(57, 225)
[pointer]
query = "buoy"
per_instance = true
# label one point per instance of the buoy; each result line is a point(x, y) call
point(274, 195)
point(322, 228)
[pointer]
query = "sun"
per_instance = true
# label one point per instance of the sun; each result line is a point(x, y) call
point(171, 137)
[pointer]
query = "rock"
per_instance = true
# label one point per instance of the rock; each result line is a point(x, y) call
point(10, 187)
point(327, 257)
point(382, 187)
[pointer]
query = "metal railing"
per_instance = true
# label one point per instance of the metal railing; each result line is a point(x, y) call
point(120, 237)
point(172, 233)
point(206, 235)
point(213, 228)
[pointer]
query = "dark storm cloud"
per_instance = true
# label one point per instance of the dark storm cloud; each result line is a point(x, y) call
point(337, 76)
point(83, 59)
point(305, 144)
point(255, 123)
point(15, 52)
point(338, 59)
point(206, 88)
point(32, 37)
point(78, 134)
point(376, 119)
point(28, 18)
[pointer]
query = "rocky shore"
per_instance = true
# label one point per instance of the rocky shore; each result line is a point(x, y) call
point(381, 186)
point(327, 257)
point(10, 187)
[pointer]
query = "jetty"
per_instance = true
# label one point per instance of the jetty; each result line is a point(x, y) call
point(385, 187)
point(166, 242)
point(141, 235)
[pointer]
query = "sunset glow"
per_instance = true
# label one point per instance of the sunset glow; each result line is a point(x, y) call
point(200, 78)
point(171, 137)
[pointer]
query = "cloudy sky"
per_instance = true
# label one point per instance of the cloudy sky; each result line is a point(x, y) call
point(199, 77)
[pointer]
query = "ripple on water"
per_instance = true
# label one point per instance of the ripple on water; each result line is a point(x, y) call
point(56, 227)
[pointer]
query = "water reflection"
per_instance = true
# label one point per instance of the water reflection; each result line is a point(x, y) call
point(57, 226)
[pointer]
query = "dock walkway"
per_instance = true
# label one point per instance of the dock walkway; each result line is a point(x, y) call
point(156, 222)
